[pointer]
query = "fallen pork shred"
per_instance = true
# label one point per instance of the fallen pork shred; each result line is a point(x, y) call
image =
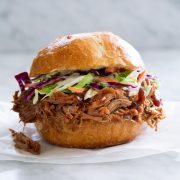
point(25, 143)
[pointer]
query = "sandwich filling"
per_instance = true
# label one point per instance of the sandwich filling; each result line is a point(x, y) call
point(106, 94)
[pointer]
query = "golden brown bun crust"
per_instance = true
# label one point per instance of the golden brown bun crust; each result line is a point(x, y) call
point(90, 134)
point(86, 51)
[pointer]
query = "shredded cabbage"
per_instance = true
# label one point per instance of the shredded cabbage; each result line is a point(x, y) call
point(22, 79)
point(90, 93)
point(36, 96)
point(128, 77)
point(133, 91)
point(131, 78)
point(44, 77)
point(147, 88)
point(121, 75)
point(103, 84)
point(70, 82)
point(63, 85)
point(55, 81)
point(47, 89)
point(87, 79)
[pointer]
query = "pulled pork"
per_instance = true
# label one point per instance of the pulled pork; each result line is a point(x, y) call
point(25, 143)
point(108, 105)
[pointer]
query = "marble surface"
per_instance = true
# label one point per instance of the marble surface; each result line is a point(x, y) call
point(147, 24)
point(157, 167)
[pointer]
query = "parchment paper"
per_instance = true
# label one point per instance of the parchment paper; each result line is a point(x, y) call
point(150, 142)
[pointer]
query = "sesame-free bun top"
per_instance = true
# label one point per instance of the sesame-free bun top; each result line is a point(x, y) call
point(86, 51)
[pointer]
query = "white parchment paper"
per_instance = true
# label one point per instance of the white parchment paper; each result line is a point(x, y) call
point(166, 139)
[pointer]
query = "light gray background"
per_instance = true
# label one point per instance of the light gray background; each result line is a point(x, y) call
point(152, 26)
point(30, 24)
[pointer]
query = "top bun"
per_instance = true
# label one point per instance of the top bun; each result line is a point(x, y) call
point(86, 51)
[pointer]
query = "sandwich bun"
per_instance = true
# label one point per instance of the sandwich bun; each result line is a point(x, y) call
point(91, 134)
point(86, 51)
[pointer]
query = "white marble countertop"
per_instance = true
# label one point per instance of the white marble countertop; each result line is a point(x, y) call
point(157, 167)
point(161, 167)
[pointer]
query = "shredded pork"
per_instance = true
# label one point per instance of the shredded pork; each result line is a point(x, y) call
point(25, 143)
point(108, 105)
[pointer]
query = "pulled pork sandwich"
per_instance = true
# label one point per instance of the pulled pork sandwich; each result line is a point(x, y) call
point(88, 90)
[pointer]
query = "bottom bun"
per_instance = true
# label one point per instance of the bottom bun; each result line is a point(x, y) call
point(89, 134)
